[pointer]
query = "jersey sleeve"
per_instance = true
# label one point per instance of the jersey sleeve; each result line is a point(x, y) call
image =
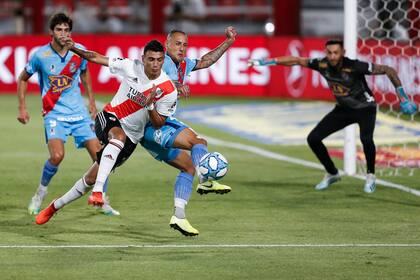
point(166, 106)
point(191, 63)
point(313, 63)
point(120, 66)
point(33, 65)
point(364, 68)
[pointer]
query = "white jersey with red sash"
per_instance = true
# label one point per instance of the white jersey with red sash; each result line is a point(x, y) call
point(129, 101)
point(59, 83)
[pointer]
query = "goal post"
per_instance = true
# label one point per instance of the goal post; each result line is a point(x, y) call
point(386, 32)
point(350, 45)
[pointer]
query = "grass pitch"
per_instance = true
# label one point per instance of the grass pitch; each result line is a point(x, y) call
point(272, 203)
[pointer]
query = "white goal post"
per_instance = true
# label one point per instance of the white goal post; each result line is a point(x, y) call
point(386, 32)
point(350, 45)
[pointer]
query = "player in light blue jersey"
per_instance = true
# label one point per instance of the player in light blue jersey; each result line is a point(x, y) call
point(170, 142)
point(63, 107)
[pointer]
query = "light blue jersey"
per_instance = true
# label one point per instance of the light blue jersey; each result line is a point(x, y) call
point(159, 142)
point(178, 72)
point(59, 83)
point(63, 107)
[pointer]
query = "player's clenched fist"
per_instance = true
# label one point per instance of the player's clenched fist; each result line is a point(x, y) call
point(230, 32)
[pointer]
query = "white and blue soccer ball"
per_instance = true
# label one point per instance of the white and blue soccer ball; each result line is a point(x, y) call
point(213, 166)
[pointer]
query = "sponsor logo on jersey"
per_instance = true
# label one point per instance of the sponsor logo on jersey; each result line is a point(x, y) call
point(136, 96)
point(60, 83)
point(46, 53)
point(338, 89)
point(157, 135)
point(172, 108)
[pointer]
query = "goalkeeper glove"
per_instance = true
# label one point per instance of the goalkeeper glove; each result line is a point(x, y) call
point(262, 62)
point(406, 106)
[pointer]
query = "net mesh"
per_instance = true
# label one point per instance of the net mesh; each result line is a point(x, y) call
point(389, 33)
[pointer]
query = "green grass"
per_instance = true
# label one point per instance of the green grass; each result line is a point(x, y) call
point(272, 202)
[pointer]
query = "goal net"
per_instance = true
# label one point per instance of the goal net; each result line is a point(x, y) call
point(388, 32)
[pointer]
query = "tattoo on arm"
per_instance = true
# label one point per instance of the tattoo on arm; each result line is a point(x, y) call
point(389, 71)
point(211, 57)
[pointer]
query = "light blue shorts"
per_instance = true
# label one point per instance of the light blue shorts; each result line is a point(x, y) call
point(159, 142)
point(81, 130)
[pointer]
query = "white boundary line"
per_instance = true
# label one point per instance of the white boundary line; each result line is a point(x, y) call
point(277, 156)
point(211, 246)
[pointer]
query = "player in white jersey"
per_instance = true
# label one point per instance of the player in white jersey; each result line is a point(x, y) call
point(145, 94)
point(170, 142)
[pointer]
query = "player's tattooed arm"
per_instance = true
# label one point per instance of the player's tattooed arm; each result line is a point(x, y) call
point(90, 56)
point(183, 90)
point(406, 105)
point(211, 57)
point(390, 72)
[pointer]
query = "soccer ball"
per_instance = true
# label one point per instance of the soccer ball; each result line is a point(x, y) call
point(213, 166)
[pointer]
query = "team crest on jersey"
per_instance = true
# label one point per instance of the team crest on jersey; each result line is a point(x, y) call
point(159, 92)
point(60, 83)
point(73, 67)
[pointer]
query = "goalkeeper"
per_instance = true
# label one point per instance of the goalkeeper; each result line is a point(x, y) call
point(355, 104)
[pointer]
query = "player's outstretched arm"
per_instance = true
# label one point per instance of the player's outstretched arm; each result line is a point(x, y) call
point(87, 84)
point(22, 85)
point(281, 60)
point(90, 56)
point(211, 57)
point(406, 106)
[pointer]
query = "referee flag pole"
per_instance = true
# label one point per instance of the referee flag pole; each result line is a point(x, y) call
point(350, 45)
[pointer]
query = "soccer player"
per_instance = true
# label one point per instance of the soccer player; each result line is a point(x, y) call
point(145, 94)
point(355, 103)
point(63, 107)
point(169, 142)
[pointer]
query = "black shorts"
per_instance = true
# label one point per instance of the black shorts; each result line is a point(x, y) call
point(104, 121)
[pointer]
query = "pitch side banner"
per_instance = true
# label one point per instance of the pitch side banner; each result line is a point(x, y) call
point(230, 76)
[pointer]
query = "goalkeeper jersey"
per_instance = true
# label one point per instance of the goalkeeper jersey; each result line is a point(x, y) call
point(347, 82)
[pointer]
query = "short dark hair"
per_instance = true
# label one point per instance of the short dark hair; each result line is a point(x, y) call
point(154, 46)
point(334, 42)
point(60, 18)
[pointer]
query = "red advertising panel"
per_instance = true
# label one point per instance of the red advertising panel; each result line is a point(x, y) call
point(229, 76)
